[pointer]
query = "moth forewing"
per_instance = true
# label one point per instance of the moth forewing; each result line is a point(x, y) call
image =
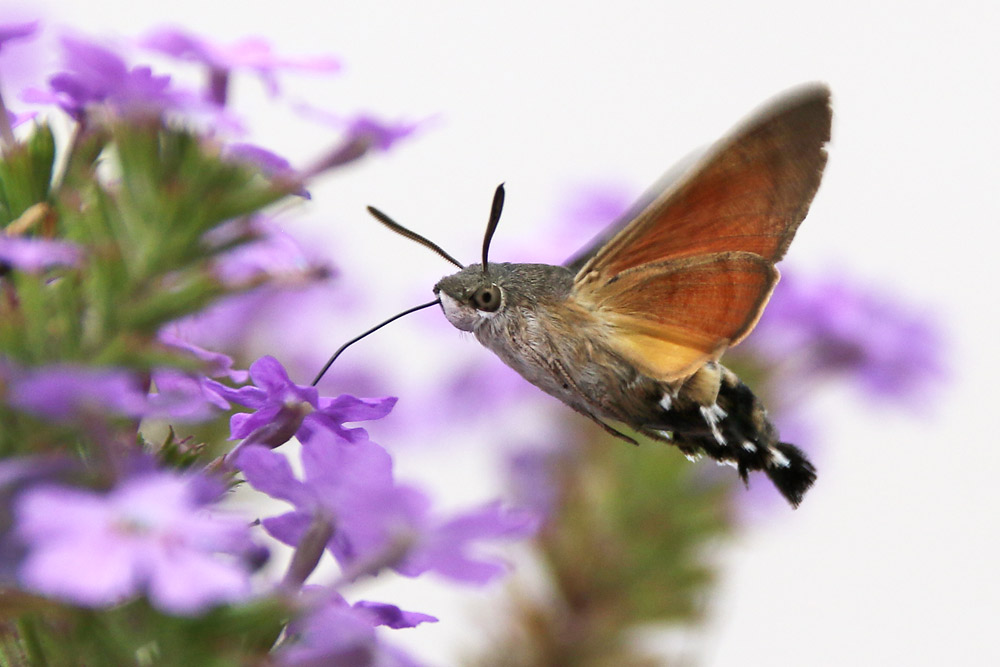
point(749, 192)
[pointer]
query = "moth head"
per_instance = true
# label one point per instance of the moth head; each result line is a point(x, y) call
point(471, 295)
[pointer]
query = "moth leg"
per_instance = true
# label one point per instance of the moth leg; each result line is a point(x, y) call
point(612, 431)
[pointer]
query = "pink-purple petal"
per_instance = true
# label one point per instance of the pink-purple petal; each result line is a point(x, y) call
point(34, 255)
point(270, 472)
point(392, 616)
point(89, 571)
point(289, 527)
point(149, 534)
point(15, 31)
point(188, 582)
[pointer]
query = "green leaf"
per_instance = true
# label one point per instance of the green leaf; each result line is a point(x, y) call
point(26, 173)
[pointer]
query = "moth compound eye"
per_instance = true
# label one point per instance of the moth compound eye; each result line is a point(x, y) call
point(487, 298)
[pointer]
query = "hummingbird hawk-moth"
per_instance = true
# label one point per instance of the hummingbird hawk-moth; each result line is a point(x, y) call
point(631, 328)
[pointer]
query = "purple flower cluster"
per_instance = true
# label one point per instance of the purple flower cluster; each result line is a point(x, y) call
point(135, 514)
point(157, 532)
point(94, 76)
point(348, 503)
point(373, 521)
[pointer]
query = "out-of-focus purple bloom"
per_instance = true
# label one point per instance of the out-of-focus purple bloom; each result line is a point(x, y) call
point(189, 395)
point(534, 480)
point(270, 163)
point(337, 634)
point(95, 75)
point(378, 133)
point(64, 392)
point(183, 396)
point(392, 616)
point(10, 120)
point(285, 409)
point(362, 134)
point(216, 363)
point(833, 328)
point(13, 31)
point(17, 474)
point(587, 212)
point(274, 254)
point(34, 255)
point(67, 392)
point(151, 534)
point(251, 53)
point(584, 212)
point(374, 520)
point(591, 208)
point(474, 386)
point(446, 546)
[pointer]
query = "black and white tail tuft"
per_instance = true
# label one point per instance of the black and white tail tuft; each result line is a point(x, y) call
point(790, 471)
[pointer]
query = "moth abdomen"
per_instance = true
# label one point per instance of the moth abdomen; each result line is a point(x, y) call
point(734, 429)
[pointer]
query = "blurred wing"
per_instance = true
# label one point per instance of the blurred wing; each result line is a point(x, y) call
point(748, 193)
point(703, 305)
point(690, 274)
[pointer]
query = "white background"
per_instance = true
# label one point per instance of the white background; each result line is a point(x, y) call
point(892, 559)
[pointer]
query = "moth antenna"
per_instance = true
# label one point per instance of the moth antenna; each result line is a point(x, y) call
point(413, 236)
point(491, 226)
point(370, 331)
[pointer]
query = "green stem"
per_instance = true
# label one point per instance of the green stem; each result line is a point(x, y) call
point(31, 642)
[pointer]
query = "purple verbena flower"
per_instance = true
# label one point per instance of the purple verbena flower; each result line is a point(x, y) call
point(17, 474)
point(151, 534)
point(284, 409)
point(349, 484)
point(447, 546)
point(34, 255)
point(269, 161)
point(95, 74)
point(376, 523)
point(251, 53)
point(361, 134)
point(69, 392)
point(338, 634)
point(188, 395)
point(392, 616)
point(216, 363)
point(65, 392)
point(377, 133)
point(273, 253)
point(183, 396)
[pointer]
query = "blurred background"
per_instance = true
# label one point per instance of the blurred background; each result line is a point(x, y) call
point(578, 107)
